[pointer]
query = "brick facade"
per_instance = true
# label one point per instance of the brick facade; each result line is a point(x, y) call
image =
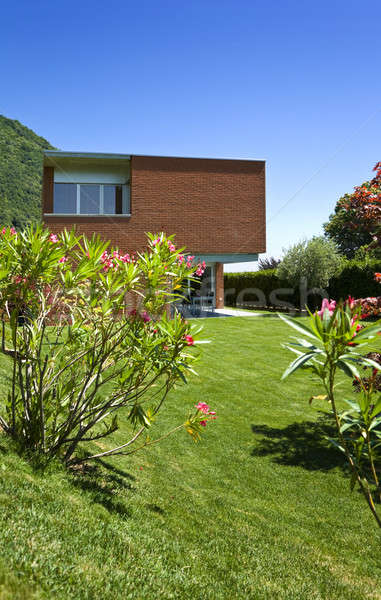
point(220, 285)
point(213, 206)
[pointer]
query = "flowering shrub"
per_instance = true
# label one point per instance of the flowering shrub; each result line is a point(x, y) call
point(370, 377)
point(77, 352)
point(334, 338)
point(370, 307)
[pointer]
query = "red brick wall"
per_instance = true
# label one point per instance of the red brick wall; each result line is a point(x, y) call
point(220, 285)
point(213, 206)
point(47, 189)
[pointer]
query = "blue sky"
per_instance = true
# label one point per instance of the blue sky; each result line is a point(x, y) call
point(294, 82)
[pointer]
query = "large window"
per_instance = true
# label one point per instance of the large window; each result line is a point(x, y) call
point(91, 199)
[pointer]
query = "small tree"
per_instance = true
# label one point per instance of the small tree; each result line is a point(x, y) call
point(265, 264)
point(76, 354)
point(331, 344)
point(315, 261)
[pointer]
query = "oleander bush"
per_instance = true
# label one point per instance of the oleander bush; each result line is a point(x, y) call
point(77, 353)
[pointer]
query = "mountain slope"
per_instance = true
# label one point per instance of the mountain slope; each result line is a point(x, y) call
point(20, 173)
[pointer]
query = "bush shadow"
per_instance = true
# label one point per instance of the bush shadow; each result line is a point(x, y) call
point(106, 485)
point(301, 444)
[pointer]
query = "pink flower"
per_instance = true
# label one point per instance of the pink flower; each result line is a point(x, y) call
point(189, 340)
point(4, 231)
point(326, 305)
point(63, 259)
point(200, 269)
point(53, 238)
point(203, 407)
point(125, 258)
point(145, 316)
point(180, 259)
point(19, 279)
point(171, 246)
point(189, 261)
point(12, 231)
point(155, 242)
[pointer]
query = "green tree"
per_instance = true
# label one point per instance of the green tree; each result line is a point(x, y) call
point(315, 261)
point(357, 216)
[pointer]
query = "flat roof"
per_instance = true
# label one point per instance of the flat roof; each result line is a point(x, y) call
point(112, 156)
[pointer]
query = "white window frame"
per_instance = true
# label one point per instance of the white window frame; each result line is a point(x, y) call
point(126, 207)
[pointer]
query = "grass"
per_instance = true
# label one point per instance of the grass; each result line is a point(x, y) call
point(260, 508)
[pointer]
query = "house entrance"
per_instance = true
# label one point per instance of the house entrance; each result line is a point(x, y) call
point(202, 292)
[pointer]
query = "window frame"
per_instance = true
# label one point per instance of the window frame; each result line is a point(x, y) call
point(126, 199)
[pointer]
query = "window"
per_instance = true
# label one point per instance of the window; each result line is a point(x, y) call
point(65, 198)
point(91, 199)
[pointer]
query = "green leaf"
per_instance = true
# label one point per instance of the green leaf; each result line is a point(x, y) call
point(348, 368)
point(298, 326)
point(369, 332)
point(297, 363)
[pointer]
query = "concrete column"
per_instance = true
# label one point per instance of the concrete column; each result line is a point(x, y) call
point(220, 285)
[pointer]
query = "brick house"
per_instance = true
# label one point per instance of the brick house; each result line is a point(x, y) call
point(216, 207)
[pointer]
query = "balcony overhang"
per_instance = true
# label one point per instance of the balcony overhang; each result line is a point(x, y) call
point(54, 158)
point(226, 258)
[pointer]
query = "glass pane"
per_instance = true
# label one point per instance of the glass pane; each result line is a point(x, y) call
point(90, 195)
point(65, 198)
point(109, 199)
point(125, 200)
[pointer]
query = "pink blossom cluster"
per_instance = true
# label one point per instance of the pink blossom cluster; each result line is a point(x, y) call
point(205, 409)
point(112, 261)
point(144, 316)
point(370, 307)
point(12, 230)
point(189, 264)
point(53, 238)
point(327, 305)
point(200, 269)
point(19, 279)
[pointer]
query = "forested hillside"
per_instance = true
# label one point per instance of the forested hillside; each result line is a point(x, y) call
point(20, 173)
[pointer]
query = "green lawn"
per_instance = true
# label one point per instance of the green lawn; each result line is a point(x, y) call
point(260, 508)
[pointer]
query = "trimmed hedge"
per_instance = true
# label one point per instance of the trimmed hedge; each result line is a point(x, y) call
point(261, 289)
point(356, 279)
point(255, 289)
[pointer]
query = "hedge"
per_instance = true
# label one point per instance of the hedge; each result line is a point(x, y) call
point(356, 279)
point(263, 289)
point(255, 289)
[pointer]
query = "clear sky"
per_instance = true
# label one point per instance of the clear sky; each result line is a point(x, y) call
point(294, 82)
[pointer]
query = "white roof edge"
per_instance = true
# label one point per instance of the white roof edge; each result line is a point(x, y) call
point(68, 154)
point(64, 154)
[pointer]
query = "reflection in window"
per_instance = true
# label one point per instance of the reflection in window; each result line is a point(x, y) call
point(110, 193)
point(91, 199)
point(65, 198)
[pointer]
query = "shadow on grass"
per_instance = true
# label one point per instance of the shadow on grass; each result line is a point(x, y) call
point(300, 444)
point(104, 483)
